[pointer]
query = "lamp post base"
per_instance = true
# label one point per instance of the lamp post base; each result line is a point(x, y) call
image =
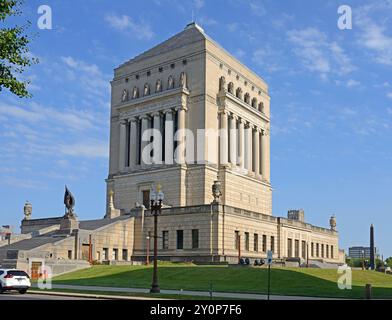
point(155, 289)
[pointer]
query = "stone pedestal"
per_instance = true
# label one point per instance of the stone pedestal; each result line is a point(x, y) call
point(67, 225)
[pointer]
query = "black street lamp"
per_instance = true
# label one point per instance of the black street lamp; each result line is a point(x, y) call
point(156, 198)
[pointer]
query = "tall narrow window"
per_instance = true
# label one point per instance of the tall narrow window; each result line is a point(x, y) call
point(125, 254)
point(272, 243)
point(289, 247)
point(327, 251)
point(195, 238)
point(264, 243)
point(236, 240)
point(146, 198)
point(297, 248)
point(332, 252)
point(165, 240)
point(312, 249)
point(247, 241)
point(317, 250)
point(180, 239)
point(322, 250)
point(256, 242)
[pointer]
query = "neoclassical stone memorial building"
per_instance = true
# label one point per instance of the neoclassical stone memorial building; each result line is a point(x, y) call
point(188, 116)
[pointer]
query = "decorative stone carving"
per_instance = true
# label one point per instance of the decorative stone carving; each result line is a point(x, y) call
point(222, 83)
point(124, 96)
point(158, 86)
point(27, 210)
point(170, 82)
point(261, 107)
point(135, 93)
point(112, 211)
point(332, 223)
point(216, 191)
point(238, 93)
point(247, 98)
point(146, 90)
point(183, 80)
point(230, 87)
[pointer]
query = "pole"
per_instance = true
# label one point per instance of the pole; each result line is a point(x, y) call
point(239, 249)
point(307, 255)
point(269, 281)
point(148, 251)
point(90, 251)
point(155, 286)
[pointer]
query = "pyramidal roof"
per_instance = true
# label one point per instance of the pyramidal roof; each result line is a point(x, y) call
point(191, 34)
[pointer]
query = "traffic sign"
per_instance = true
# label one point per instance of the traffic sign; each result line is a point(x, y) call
point(269, 257)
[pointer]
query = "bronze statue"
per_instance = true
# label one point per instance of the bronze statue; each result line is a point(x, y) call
point(69, 202)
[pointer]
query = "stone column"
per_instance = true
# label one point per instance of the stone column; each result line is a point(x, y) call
point(133, 143)
point(241, 144)
point(233, 139)
point(144, 143)
point(180, 152)
point(122, 145)
point(157, 144)
point(248, 148)
point(223, 141)
point(264, 156)
point(169, 137)
point(256, 151)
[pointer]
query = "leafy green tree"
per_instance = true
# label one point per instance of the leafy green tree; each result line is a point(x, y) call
point(14, 50)
point(389, 262)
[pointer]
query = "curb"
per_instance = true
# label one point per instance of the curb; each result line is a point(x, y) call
point(91, 295)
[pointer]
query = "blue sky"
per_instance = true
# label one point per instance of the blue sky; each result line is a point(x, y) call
point(331, 103)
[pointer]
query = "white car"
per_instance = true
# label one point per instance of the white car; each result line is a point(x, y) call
point(13, 279)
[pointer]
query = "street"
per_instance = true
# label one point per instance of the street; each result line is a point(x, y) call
point(32, 296)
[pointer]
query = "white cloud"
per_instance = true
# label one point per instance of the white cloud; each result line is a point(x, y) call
point(88, 76)
point(69, 118)
point(141, 30)
point(318, 54)
point(352, 83)
point(373, 35)
point(265, 57)
point(198, 4)
point(207, 22)
point(90, 149)
point(257, 8)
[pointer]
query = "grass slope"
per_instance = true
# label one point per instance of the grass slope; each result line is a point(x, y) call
point(284, 281)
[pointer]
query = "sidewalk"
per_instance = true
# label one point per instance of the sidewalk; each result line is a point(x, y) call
point(223, 295)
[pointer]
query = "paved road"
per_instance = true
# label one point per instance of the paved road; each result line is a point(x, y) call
point(31, 296)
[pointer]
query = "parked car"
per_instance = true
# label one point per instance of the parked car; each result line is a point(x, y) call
point(12, 279)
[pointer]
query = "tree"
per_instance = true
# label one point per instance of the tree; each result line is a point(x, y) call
point(389, 262)
point(14, 50)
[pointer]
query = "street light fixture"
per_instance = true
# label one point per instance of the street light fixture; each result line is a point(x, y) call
point(156, 198)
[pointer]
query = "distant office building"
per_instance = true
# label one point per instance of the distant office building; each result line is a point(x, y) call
point(361, 252)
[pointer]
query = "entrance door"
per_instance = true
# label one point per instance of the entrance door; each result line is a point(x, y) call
point(85, 251)
point(35, 270)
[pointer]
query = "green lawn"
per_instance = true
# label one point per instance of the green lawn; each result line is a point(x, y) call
point(284, 281)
